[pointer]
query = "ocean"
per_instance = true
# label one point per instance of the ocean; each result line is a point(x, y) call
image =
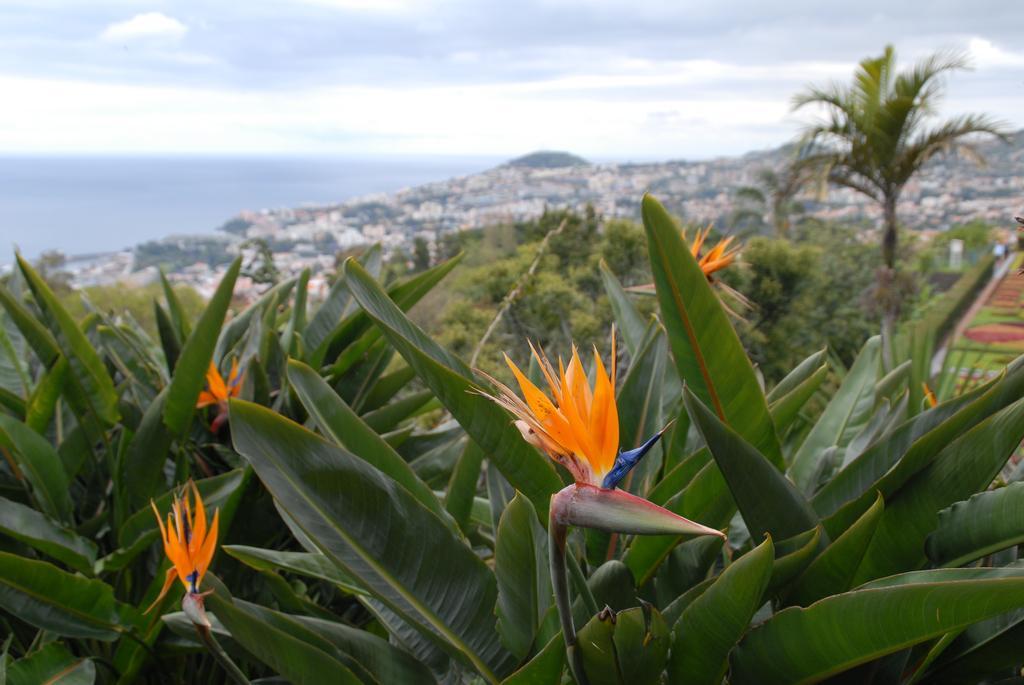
point(88, 204)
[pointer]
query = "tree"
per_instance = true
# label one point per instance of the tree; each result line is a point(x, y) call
point(771, 200)
point(420, 255)
point(876, 135)
point(258, 262)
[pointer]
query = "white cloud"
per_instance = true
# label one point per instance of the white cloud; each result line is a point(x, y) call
point(145, 26)
point(986, 54)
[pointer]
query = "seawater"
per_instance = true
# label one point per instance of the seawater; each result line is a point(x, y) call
point(87, 204)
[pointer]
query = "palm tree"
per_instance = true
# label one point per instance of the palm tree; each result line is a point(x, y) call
point(771, 201)
point(876, 134)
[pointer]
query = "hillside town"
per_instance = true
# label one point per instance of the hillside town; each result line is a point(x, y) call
point(950, 191)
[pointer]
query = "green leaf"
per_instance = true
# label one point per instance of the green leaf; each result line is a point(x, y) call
point(169, 341)
point(141, 472)
point(964, 467)
point(833, 570)
point(706, 349)
point(524, 582)
point(463, 485)
point(629, 321)
point(705, 500)
point(86, 366)
point(328, 315)
point(235, 329)
point(798, 376)
point(715, 621)
point(640, 396)
point(297, 322)
point(844, 416)
point(452, 382)
point(280, 645)
point(196, 354)
point(37, 530)
point(543, 669)
point(785, 409)
point(41, 466)
point(37, 337)
point(918, 440)
point(985, 523)
point(51, 665)
point(307, 564)
point(843, 631)
point(793, 557)
point(378, 533)
point(178, 318)
point(768, 501)
point(44, 596)
point(372, 656)
point(337, 420)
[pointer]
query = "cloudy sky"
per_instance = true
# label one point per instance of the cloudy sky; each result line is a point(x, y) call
point(614, 80)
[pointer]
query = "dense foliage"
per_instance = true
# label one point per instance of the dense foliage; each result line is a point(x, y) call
point(382, 521)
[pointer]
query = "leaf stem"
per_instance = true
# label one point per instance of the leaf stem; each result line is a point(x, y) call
point(206, 635)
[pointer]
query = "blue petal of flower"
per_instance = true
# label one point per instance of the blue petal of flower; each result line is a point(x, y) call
point(625, 462)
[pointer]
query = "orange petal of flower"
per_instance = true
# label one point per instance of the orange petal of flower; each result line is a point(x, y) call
point(216, 383)
point(168, 583)
point(604, 419)
point(206, 399)
point(198, 523)
point(205, 555)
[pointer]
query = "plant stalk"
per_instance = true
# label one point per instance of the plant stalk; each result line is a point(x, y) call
point(206, 635)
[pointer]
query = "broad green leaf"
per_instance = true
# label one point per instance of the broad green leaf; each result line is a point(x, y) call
point(706, 349)
point(14, 375)
point(37, 337)
point(37, 530)
point(196, 354)
point(679, 477)
point(66, 604)
point(86, 366)
point(51, 665)
point(793, 556)
point(786, 408)
point(798, 376)
point(297, 322)
point(169, 341)
point(308, 564)
point(918, 440)
point(337, 420)
point(524, 582)
point(234, 330)
point(842, 631)
point(404, 295)
point(280, 645)
point(462, 486)
point(177, 312)
point(543, 669)
point(893, 382)
point(372, 655)
point(141, 472)
point(845, 414)
point(629, 321)
point(768, 501)
point(639, 399)
point(715, 621)
point(452, 382)
point(833, 570)
point(985, 523)
point(42, 404)
point(327, 316)
point(377, 532)
point(964, 467)
point(705, 500)
point(388, 417)
point(40, 465)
